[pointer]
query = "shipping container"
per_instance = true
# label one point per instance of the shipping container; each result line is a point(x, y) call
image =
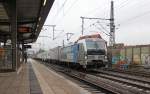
point(145, 52)
point(136, 55)
point(115, 56)
point(129, 53)
point(122, 54)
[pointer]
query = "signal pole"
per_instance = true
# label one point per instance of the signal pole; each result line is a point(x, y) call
point(112, 25)
point(53, 26)
point(82, 24)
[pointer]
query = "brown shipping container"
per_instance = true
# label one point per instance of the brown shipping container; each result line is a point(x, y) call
point(115, 52)
point(122, 54)
point(115, 55)
point(129, 55)
point(145, 52)
point(136, 55)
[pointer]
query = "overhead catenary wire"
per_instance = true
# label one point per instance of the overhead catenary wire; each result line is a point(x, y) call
point(106, 9)
point(129, 1)
point(72, 5)
point(122, 4)
point(95, 9)
point(139, 15)
point(61, 8)
point(135, 17)
point(87, 27)
point(54, 9)
point(101, 30)
point(58, 35)
point(59, 21)
point(90, 18)
point(67, 11)
point(102, 26)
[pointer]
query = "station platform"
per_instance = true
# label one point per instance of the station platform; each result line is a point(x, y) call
point(15, 82)
point(36, 78)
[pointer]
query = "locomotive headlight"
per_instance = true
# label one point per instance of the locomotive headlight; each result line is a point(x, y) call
point(105, 57)
point(85, 57)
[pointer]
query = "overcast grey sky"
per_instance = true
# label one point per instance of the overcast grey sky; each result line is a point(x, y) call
point(132, 15)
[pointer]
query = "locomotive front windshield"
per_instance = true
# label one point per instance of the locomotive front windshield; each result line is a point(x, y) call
point(95, 45)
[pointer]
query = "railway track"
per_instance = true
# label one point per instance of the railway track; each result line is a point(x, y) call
point(125, 76)
point(110, 84)
point(138, 83)
point(94, 89)
point(136, 73)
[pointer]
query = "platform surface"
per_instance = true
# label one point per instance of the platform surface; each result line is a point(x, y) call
point(35, 78)
point(15, 82)
point(53, 83)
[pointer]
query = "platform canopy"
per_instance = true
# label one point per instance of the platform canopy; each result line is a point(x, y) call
point(31, 15)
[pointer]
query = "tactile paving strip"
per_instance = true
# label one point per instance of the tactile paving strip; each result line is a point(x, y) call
point(34, 85)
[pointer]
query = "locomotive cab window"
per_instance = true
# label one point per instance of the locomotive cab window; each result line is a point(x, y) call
point(95, 45)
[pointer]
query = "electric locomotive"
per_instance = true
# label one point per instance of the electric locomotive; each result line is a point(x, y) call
point(88, 51)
